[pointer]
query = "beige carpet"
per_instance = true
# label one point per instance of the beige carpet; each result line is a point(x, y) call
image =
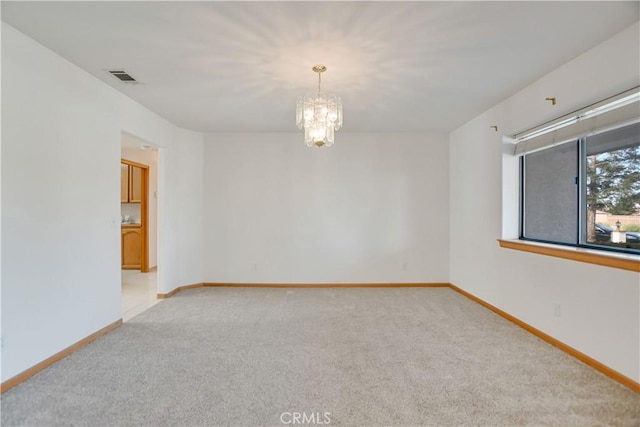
point(246, 356)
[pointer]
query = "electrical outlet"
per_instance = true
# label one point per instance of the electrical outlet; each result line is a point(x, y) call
point(557, 310)
point(404, 266)
point(255, 267)
point(3, 343)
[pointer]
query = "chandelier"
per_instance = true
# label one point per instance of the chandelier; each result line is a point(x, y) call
point(320, 115)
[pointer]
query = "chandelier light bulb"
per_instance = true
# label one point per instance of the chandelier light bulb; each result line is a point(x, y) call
point(319, 115)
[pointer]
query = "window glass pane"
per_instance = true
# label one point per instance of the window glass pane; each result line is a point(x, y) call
point(551, 194)
point(613, 189)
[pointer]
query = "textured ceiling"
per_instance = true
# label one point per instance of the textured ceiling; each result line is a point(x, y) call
point(399, 66)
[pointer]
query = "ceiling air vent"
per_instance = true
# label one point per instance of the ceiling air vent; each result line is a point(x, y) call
point(123, 76)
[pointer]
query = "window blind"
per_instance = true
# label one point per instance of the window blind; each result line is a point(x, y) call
point(609, 114)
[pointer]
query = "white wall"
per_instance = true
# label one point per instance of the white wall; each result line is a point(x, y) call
point(277, 211)
point(600, 306)
point(183, 242)
point(61, 133)
point(149, 158)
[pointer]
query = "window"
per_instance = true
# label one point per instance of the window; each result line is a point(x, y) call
point(585, 192)
point(612, 188)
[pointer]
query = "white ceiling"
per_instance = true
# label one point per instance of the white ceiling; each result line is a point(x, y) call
point(399, 66)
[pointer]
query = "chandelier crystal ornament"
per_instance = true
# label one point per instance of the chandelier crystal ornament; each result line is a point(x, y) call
point(320, 115)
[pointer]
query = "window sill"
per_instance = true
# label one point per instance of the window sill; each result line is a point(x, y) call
point(591, 256)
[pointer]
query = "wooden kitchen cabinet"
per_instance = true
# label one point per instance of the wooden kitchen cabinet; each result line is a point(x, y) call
point(135, 184)
point(131, 247)
point(124, 183)
point(130, 184)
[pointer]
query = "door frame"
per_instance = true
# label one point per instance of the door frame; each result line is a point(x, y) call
point(144, 212)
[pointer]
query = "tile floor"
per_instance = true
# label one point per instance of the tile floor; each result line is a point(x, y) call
point(138, 292)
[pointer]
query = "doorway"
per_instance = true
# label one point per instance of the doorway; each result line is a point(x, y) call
point(139, 225)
